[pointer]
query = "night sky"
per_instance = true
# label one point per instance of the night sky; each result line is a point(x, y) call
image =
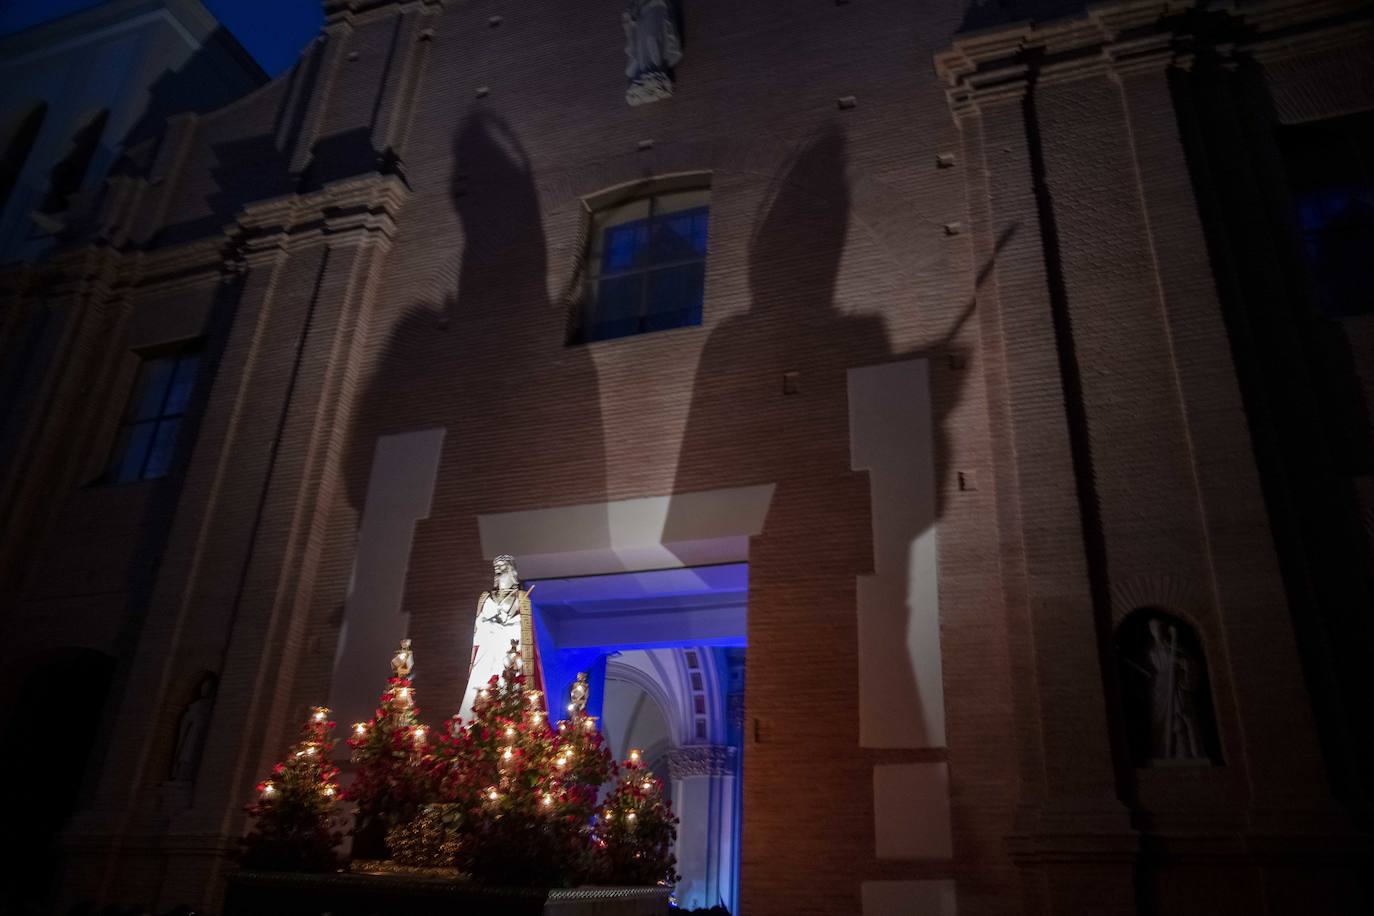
point(273, 31)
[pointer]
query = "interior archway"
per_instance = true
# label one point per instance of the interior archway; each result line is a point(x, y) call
point(666, 651)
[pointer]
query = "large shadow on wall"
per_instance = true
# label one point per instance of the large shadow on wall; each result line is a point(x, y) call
point(771, 404)
point(522, 411)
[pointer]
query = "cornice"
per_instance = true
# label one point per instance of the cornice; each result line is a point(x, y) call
point(179, 267)
point(1336, 35)
point(361, 12)
point(351, 210)
point(84, 270)
point(1125, 36)
point(189, 18)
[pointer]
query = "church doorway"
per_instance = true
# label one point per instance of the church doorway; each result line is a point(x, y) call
point(665, 650)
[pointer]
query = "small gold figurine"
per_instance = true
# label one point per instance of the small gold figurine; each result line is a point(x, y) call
point(404, 660)
point(578, 695)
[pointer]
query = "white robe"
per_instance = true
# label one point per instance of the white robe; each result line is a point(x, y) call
point(491, 638)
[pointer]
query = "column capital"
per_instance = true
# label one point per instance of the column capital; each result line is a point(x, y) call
point(702, 760)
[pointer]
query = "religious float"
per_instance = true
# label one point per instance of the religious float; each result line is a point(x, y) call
point(505, 810)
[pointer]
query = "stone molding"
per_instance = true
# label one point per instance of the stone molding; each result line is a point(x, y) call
point(357, 210)
point(701, 760)
point(358, 11)
point(1131, 35)
point(365, 205)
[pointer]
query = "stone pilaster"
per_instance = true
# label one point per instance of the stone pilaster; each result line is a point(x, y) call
point(705, 794)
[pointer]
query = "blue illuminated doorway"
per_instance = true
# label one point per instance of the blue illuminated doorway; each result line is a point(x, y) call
point(665, 652)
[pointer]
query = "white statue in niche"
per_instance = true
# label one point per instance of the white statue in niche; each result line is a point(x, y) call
point(1173, 680)
point(191, 729)
point(505, 625)
point(652, 48)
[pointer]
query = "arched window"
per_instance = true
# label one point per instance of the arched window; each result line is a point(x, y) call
point(645, 260)
point(70, 172)
point(17, 148)
point(1166, 693)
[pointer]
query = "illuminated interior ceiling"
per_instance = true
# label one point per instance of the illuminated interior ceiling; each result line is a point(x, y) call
point(695, 606)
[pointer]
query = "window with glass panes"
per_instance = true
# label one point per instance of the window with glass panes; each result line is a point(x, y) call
point(646, 266)
point(152, 421)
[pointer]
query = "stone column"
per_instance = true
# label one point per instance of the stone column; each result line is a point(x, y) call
point(1073, 835)
point(705, 787)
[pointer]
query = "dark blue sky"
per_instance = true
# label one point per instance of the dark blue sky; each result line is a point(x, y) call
point(273, 31)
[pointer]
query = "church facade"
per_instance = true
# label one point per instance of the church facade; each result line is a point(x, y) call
point(941, 430)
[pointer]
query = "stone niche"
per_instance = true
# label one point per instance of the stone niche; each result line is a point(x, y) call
point(1166, 691)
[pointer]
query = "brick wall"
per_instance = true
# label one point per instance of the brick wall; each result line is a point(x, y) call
point(1057, 276)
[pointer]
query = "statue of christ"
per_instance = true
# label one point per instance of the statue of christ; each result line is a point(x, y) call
point(505, 624)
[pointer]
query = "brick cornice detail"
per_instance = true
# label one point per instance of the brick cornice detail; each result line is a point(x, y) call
point(1130, 35)
point(349, 210)
point(354, 12)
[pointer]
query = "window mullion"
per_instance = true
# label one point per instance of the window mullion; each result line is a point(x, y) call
point(648, 261)
point(148, 452)
point(167, 389)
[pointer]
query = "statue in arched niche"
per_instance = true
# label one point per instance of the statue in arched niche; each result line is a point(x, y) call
point(192, 726)
point(1165, 689)
point(652, 48)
